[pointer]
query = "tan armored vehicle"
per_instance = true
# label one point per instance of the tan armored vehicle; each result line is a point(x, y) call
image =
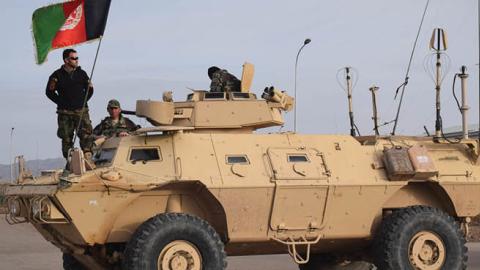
point(202, 184)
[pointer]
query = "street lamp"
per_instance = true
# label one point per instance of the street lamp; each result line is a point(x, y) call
point(11, 154)
point(295, 85)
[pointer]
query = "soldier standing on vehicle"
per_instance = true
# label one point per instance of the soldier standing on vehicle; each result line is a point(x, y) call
point(222, 81)
point(69, 87)
point(115, 124)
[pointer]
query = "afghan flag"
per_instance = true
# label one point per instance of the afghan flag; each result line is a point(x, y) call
point(66, 24)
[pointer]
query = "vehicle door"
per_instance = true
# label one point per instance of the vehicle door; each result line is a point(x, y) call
point(300, 176)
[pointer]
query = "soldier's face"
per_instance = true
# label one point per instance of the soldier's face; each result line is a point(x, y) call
point(114, 112)
point(72, 60)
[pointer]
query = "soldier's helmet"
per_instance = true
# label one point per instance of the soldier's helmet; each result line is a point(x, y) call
point(212, 70)
point(113, 103)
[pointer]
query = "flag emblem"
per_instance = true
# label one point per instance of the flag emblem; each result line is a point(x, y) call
point(73, 20)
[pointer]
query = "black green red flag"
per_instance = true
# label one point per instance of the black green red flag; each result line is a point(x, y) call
point(66, 24)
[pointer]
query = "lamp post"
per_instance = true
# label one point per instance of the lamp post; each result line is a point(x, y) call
point(11, 154)
point(295, 85)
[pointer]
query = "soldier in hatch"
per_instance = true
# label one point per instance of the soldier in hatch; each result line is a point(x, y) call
point(70, 88)
point(115, 124)
point(222, 81)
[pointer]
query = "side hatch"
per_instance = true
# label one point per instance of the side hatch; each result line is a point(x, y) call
point(301, 176)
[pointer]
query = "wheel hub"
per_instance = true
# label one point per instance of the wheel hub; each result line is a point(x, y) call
point(179, 255)
point(427, 251)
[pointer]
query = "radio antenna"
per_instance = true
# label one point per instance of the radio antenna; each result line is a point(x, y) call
point(437, 70)
point(347, 78)
point(405, 82)
point(374, 89)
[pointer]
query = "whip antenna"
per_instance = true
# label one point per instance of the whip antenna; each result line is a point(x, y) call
point(404, 84)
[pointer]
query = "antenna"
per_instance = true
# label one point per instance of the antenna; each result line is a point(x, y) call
point(405, 82)
point(464, 107)
point(374, 89)
point(344, 78)
point(305, 42)
point(437, 71)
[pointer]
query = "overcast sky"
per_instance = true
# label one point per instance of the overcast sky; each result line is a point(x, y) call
point(153, 46)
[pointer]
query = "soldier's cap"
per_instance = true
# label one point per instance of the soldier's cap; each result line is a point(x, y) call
point(113, 103)
point(212, 70)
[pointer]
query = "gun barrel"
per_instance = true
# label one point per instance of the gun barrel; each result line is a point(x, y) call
point(129, 112)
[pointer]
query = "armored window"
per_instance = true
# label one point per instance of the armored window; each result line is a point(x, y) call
point(215, 96)
point(190, 97)
point(240, 96)
point(144, 154)
point(297, 158)
point(105, 156)
point(237, 159)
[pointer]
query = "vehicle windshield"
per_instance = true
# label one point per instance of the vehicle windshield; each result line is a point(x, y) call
point(104, 157)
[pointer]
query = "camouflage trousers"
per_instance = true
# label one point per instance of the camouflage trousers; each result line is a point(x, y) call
point(67, 124)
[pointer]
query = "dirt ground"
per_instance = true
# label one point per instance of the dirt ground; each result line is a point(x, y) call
point(474, 233)
point(22, 248)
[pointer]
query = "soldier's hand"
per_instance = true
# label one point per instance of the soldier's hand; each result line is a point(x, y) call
point(52, 84)
point(123, 134)
point(99, 140)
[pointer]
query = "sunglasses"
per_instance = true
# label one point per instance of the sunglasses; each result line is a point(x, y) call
point(73, 58)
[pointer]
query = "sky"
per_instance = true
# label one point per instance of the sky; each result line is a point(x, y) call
point(152, 46)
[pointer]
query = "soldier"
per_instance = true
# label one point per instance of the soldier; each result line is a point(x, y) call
point(222, 81)
point(115, 124)
point(69, 87)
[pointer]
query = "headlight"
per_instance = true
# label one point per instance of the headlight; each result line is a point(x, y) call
point(44, 211)
point(36, 207)
point(41, 208)
point(14, 207)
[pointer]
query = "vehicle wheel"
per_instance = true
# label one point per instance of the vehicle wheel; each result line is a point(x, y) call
point(420, 237)
point(70, 263)
point(175, 241)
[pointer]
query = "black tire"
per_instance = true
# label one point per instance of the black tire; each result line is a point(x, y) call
point(157, 233)
point(399, 232)
point(70, 263)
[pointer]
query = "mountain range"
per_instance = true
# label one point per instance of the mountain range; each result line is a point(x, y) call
point(34, 166)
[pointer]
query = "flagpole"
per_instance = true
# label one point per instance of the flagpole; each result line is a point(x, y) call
point(88, 89)
point(95, 60)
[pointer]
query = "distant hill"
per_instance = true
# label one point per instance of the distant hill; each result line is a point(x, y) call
point(35, 166)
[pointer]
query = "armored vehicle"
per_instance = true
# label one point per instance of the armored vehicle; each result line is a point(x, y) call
point(201, 184)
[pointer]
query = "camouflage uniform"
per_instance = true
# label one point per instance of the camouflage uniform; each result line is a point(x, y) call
point(69, 89)
point(222, 81)
point(67, 124)
point(110, 129)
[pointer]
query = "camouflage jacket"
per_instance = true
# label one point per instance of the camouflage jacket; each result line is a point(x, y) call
point(222, 81)
point(109, 129)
